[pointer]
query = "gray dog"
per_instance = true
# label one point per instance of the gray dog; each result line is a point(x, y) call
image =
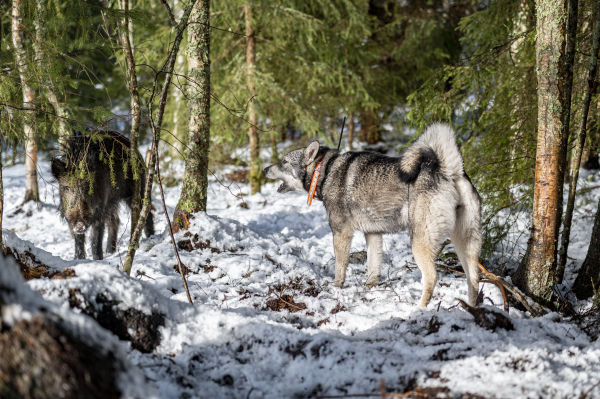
point(425, 190)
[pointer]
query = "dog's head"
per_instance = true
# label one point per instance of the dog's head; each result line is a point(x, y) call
point(292, 168)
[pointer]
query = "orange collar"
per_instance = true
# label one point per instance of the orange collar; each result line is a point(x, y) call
point(312, 192)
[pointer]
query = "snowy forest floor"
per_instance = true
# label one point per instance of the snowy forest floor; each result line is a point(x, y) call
point(267, 321)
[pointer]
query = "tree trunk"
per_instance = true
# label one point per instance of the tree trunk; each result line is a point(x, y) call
point(137, 169)
point(1, 200)
point(255, 169)
point(179, 136)
point(566, 70)
point(46, 81)
point(535, 275)
point(369, 127)
point(167, 72)
point(580, 141)
point(31, 185)
point(274, 152)
point(590, 154)
point(195, 179)
point(588, 278)
point(350, 130)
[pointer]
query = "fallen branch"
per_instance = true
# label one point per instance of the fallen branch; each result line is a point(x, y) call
point(491, 280)
point(535, 309)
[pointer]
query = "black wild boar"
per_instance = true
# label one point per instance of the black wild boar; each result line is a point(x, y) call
point(94, 175)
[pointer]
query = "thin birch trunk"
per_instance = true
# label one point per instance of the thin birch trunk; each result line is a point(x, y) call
point(45, 79)
point(535, 275)
point(137, 169)
point(255, 169)
point(167, 70)
point(31, 184)
point(179, 139)
point(580, 141)
point(195, 179)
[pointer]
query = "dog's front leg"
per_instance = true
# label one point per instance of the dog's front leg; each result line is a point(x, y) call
point(341, 246)
point(374, 255)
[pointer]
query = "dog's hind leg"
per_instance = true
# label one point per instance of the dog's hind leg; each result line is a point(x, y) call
point(341, 246)
point(467, 250)
point(466, 236)
point(374, 255)
point(424, 256)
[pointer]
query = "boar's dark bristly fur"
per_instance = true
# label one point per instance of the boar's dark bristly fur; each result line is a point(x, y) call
point(94, 175)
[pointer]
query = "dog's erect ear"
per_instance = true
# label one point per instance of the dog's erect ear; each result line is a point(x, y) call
point(310, 152)
point(58, 168)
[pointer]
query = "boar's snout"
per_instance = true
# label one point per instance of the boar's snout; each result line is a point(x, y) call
point(79, 227)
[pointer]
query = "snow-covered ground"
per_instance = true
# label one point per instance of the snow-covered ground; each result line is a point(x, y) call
point(274, 252)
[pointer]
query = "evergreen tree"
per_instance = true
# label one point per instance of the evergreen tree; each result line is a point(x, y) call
point(535, 275)
point(46, 79)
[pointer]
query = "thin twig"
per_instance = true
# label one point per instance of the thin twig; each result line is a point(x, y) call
point(170, 13)
point(180, 265)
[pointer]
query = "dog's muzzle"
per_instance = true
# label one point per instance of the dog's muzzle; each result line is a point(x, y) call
point(266, 171)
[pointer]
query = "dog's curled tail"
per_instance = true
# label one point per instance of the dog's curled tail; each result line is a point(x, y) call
point(440, 139)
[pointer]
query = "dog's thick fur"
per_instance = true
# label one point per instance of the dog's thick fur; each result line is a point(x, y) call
point(425, 190)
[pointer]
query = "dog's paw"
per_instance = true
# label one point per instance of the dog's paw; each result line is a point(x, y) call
point(371, 283)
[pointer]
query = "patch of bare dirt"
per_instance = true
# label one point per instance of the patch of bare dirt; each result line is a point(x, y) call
point(284, 302)
point(31, 267)
point(238, 176)
point(190, 244)
point(129, 324)
point(40, 359)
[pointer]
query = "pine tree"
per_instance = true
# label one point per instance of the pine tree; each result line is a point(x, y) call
point(535, 275)
point(46, 78)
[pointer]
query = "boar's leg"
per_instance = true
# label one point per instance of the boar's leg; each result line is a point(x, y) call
point(79, 246)
point(149, 226)
point(113, 228)
point(97, 235)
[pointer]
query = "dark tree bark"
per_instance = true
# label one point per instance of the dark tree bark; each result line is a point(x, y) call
point(535, 275)
point(588, 278)
point(195, 179)
point(255, 167)
point(580, 141)
point(31, 184)
point(592, 146)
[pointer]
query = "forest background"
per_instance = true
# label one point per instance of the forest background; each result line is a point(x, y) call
point(204, 81)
